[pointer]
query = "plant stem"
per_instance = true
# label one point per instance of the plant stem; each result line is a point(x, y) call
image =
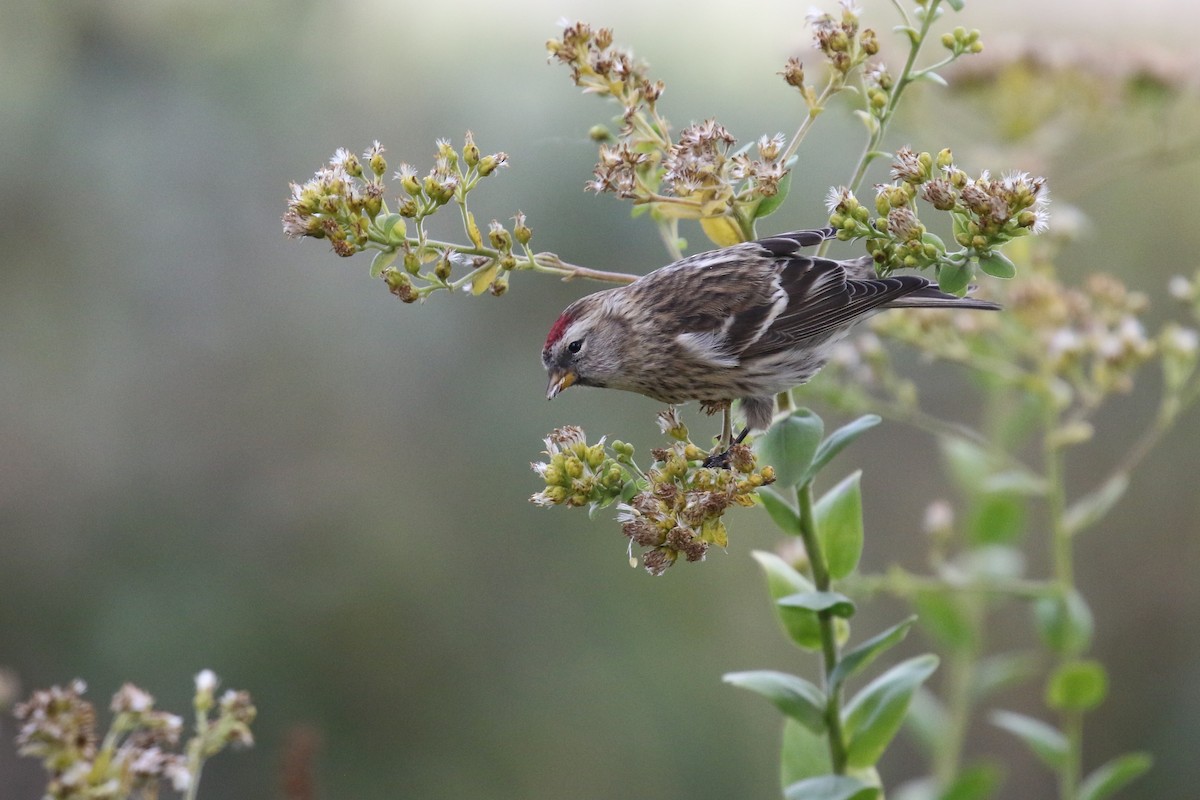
point(960, 674)
point(835, 84)
point(1068, 778)
point(1064, 576)
point(829, 645)
point(907, 76)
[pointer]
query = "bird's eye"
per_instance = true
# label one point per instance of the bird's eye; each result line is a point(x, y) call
point(575, 346)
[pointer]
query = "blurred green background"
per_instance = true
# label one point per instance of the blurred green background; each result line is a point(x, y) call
point(225, 449)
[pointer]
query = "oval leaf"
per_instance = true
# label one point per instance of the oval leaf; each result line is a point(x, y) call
point(1002, 671)
point(770, 204)
point(831, 787)
point(382, 260)
point(840, 439)
point(978, 782)
point(997, 265)
point(801, 625)
point(943, 616)
point(722, 231)
point(854, 661)
point(954, 278)
point(835, 603)
point(483, 279)
point(876, 713)
point(794, 696)
point(1114, 775)
point(782, 513)
point(1065, 623)
point(1091, 508)
point(839, 521)
point(1046, 742)
point(803, 754)
point(1077, 686)
point(790, 444)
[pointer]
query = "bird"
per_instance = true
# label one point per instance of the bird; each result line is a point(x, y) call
point(744, 322)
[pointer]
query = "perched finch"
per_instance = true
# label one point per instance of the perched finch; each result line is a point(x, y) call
point(741, 323)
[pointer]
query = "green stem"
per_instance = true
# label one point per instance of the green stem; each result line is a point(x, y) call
point(1062, 555)
point(195, 755)
point(1068, 778)
point(907, 76)
point(829, 645)
point(668, 231)
point(960, 675)
point(835, 84)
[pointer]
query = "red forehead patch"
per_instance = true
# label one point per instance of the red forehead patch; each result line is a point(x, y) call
point(557, 330)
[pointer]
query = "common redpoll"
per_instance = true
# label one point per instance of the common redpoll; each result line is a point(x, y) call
point(741, 323)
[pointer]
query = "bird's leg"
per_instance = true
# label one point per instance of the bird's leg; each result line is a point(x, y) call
point(720, 459)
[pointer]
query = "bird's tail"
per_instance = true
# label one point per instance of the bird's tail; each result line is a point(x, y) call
point(933, 297)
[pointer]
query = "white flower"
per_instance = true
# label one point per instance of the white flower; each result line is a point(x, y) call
point(206, 681)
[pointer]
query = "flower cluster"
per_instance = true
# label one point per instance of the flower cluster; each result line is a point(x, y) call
point(344, 203)
point(578, 474)
point(1072, 346)
point(599, 68)
point(986, 213)
point(59, 726)
point(701, 175)
point(839, 40)
point(673, 509)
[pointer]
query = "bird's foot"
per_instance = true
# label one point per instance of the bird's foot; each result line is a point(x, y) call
point(719, 460)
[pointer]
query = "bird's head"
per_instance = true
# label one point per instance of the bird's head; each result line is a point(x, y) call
point(585, 346)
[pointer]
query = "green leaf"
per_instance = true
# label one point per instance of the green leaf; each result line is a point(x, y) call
point(831, 787)
point(382, 260)
point(840, 439)
point(876, 713)
point(803, 754)
point(1046, 742)
point(1002, 671)
point(839, 520)
point(801, 624)
point(794, 696)
point(1114, 775)
point(1077, 686)
point(942, 616)
point(928, 721)
point(933, 77)
point(783, 514)
point(393, 227)
point(977, 782)
point(969, 464)
point(954, 278)
point(997, 518)
point(957, 5)
point(1064, 622)
point(997, 265)
point(835, 603)
point(790, 444)
point(856, 660)
point(770, 204)
point(868, 120)
point(1091, 508)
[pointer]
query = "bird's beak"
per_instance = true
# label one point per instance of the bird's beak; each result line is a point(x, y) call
point(559, 380)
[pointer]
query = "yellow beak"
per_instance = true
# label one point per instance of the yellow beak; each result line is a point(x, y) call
point(559, 380)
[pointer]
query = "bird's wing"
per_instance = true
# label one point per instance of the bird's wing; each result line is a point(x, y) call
point(823, 296)
point(715, 307)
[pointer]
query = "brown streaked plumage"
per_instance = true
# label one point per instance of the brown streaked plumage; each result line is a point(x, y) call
point(741, 323)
